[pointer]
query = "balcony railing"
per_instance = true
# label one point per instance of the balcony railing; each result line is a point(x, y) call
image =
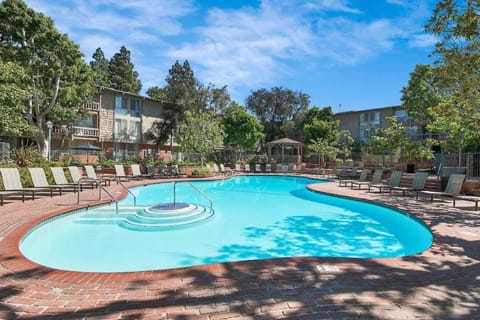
point(91, 106)
point(84, 132)
point(425, 136)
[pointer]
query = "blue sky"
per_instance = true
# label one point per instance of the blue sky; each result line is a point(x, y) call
point(350, 55)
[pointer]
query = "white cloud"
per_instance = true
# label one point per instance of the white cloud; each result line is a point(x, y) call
point(423, 41)
point(331, 5)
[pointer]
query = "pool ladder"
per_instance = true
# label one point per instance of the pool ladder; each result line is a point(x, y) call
point(102, 188)
point(195, 188)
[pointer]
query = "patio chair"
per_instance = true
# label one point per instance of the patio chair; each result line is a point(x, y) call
point(152, 173)
point(238, 167)
point(337, 173)
point(137, 173)
point(120, 174)
point(247, 167)
point(395, 180)
point(79, 179)
point(453, 188)
point(225, 170)
point(475, 199)
point(104, 180)
point(258, 167)
point(39, 180)
point(352, 175)
point(164, 170)
point(12, 183)
point(174, 170)
point(60, 178)
point(418, 183)
point(216, 170)
point(268, 167)
point(376, 179)
point(363, 178)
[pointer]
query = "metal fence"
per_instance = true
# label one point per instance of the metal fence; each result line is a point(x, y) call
point(468, 163)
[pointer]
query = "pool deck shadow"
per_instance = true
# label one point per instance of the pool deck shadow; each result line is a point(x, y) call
point(440, 283)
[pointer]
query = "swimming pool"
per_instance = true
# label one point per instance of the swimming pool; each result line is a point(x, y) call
point(256, 217)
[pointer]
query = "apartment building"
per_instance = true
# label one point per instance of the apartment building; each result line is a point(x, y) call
point(364, 124)
point(116, 122)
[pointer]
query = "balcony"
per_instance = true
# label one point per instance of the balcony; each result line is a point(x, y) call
point(425, 136)
point(84, 132)
point(91, 106)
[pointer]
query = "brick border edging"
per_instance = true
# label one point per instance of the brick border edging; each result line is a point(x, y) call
point(16, 263)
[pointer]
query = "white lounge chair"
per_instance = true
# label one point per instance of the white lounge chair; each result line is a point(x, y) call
point(39, 180)
point(12, 183)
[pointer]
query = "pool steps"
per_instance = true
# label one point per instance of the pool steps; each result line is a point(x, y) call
point(143, 218)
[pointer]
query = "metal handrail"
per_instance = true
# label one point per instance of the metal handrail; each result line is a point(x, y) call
point(195, 188)
point(128, 190)
point(100, 188)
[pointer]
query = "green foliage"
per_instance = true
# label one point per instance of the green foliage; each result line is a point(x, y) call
point(319, 124)
point(12, 94)
point(218, 99)
point(56, 77)
point(99, 65)
point(324, 148)
point(157, 93)
point(276, 106)
point(242, 131)
point(123, 77)
point(182, 89)
point(201, 172)
point(25, 156)
point(447, 93)
point(344, 143)
point(199, 132)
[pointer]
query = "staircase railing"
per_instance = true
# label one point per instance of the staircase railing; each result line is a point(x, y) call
point(195, 188)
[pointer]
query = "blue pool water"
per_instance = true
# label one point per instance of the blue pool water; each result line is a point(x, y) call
point(256, 217)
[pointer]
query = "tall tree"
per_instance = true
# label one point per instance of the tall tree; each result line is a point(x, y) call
point(200, 132)
point(448, 93)
point(242, 131)
point(319, 124)
point(157, 93)
point(13, 84)
point(218, 99)
point(99, 65)
point(123, 77)
point(276, 106)
point(182, 88)
point(58, 80)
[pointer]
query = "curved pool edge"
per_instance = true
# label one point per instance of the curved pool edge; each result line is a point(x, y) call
point(383, 288)
point(312, 187)
point(13, 260)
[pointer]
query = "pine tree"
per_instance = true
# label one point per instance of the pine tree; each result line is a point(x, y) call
point(99, 66)
point(122, 74)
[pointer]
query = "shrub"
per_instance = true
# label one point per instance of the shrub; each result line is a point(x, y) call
point(201, 172)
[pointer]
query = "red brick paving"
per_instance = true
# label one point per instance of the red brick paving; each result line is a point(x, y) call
point(441, 283)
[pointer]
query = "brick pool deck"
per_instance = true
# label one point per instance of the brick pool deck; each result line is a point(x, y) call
point(441, 283)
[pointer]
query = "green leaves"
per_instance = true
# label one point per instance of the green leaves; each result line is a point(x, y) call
point(242, 130)
point(123, 77)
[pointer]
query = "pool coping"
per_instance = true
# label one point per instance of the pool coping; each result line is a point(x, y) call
point(16, 268)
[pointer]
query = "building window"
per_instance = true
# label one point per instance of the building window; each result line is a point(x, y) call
point(88, 122)
point(135, 130)
point(121, 105)
point(369, 124)
point(135, 108)
point(402, 116)
point(121, 129)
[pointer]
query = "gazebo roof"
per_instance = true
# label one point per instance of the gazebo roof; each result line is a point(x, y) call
point(284, 141)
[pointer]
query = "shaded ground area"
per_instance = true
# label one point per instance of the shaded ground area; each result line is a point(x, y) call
point(442, 283)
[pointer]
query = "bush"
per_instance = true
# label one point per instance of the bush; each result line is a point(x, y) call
point(201, 172)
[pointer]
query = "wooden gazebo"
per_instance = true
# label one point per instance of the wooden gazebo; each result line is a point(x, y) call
point(285, 144)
